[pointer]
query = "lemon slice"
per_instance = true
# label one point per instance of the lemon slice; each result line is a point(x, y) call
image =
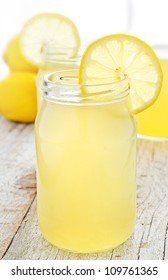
point(115, 57)
point(46, 28)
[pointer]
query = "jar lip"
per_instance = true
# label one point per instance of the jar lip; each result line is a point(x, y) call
point(63, 55)
point(65, 87)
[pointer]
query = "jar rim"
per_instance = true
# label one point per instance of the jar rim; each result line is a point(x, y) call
point(63, 55)
point(63, 86)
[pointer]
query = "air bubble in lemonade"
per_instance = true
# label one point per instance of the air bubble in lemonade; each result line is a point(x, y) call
point(86, 162)
point(153, 122)
point(56, 59)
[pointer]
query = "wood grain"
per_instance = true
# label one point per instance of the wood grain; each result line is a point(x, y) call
point(20, 237)
point(17, 160)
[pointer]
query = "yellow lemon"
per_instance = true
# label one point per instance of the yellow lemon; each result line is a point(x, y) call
point(14, 57)
point(46, 28)
point(118, 56)
point(18, 97)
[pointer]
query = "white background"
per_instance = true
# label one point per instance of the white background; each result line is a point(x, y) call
point(147, 19)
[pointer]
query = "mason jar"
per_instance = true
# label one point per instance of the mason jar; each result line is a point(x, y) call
point(86, 161)
point(56, 59)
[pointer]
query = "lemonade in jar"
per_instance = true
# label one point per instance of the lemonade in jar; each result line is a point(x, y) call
point(86, 144)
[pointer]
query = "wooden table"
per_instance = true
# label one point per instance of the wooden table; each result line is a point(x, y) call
point(20, 237)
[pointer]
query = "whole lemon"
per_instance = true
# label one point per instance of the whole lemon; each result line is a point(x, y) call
point(18, 97)
point(15, 59)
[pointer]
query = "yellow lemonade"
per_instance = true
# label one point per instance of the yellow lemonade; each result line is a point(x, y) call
point(153, 122)
point(86, 158)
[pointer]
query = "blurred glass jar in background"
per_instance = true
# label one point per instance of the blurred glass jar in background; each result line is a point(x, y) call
point(153, 122)
point(147, 20)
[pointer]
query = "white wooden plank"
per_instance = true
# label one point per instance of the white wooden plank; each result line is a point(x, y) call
point(17, 161)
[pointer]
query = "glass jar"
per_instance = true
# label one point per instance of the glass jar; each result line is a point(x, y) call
point(56, 59)
point(86, 160)
point(152, 122)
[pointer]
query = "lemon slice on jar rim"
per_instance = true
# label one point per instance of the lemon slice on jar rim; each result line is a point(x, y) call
point(46, 28)
point(115, 57)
